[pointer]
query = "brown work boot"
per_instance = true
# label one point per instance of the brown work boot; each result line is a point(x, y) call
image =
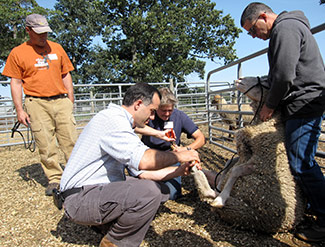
point(106, 243)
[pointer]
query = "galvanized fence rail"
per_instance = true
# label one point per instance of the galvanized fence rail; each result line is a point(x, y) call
point(92, 98)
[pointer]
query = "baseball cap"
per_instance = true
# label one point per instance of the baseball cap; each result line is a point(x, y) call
point(38, 23)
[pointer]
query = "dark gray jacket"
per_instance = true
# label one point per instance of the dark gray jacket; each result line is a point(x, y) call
point(296, 75)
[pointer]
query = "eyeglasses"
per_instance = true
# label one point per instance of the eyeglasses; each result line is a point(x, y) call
point(252, 30)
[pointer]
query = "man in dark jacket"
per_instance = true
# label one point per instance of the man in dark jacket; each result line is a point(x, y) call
point(297, 80)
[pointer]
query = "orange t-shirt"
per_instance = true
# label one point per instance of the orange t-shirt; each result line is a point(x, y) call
point(41, 74)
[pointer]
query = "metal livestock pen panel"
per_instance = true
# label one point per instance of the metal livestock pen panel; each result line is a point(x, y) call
point(92, 98)
point(89, 99)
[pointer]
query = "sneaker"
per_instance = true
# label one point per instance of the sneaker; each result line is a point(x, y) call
point(50, 188)
point(312, 234)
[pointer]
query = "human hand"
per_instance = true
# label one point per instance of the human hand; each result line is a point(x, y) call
point(180, 148)
point(176, 148)
point(188, 155)
point(197, 164)
point(266, 113)
point(23, 118)
point(170, 133)
point(166, 135)
point(185, 168)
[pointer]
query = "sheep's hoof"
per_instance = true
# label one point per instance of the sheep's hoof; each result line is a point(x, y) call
point(209, 194)
point(206, 199)
point(218, 203)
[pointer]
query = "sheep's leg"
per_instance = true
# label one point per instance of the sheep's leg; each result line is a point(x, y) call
point(211, 176)
point(202, 184)
point(231, 128)
point(236, 172)
point(206, 179)
point(222, 175)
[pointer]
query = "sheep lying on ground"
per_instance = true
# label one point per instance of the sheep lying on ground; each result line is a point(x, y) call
point(259, 192)
point(232, 119)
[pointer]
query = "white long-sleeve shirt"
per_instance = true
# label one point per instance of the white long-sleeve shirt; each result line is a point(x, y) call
point(106, 146)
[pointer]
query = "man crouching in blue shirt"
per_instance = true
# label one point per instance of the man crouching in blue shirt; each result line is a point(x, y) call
point(167, 114)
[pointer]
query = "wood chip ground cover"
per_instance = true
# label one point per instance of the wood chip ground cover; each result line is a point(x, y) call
point(29, 218)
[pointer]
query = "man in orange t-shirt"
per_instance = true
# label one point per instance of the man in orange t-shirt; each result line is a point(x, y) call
point(42, 69)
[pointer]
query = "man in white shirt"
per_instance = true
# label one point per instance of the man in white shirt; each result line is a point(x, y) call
point(95, 188)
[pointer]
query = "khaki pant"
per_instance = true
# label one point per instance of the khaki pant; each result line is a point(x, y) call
point(53, 124)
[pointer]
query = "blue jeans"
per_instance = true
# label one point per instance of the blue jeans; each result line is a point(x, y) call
point(301, 140)
point(175, 186)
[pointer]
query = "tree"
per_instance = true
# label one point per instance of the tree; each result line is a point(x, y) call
point(139, 40)
point(322, 2)
point(157, 40)
point(12, 23)
point(75, 24)
point(142, 40)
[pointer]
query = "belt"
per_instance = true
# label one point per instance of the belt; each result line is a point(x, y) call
point(70, 192)
point(59, 96)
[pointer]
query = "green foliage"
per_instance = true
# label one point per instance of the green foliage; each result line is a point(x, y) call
point(147, 41)
point(12, 24)
point(158, 40)
point(75, 24)
point(137, 40)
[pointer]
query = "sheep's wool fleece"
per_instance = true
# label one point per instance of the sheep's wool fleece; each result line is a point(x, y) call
point(269, 199)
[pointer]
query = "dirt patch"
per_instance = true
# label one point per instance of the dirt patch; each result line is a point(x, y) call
point(29, 218)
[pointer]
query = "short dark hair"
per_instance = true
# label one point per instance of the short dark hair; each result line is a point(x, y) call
point(252, 12)
point(142, 91)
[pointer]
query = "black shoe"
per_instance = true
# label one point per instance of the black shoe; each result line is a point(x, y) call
point(312, 234)
point(97, 230)
point(50, 188)
point(101, 229)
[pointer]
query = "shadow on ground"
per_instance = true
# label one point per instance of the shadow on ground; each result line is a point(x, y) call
point(33, 174)
point(72, 233)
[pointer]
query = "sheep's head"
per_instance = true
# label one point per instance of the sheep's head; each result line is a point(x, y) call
point(251, 86)
point(218, 101)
